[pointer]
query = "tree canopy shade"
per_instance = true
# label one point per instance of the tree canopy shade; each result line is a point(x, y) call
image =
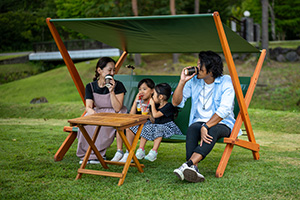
point(158, 34)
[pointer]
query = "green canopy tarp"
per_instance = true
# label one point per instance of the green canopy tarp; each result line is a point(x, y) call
point(158, 34)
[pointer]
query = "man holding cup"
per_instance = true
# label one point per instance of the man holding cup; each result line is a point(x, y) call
point(211, 115)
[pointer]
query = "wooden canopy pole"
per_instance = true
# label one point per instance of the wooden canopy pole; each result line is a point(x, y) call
point(234, 76)
point(249, 95)
point(232, 140)
point(67, 59)
point(120, 61)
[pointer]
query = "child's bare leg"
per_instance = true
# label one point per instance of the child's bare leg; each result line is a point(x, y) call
point(142, 143)
point(119, 142)
point(130, 136)
point(156, 144)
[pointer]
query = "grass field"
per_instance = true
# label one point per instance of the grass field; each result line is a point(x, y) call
point(292, 44)
point(30, 135)
point(4, 57)
point(28, 170)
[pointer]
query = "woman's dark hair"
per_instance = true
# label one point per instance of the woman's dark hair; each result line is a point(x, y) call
point(212, 62)
point(164, 89)
point(102, 62)
point(149, 82)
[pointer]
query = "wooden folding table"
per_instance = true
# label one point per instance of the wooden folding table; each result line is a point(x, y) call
point(119, 122)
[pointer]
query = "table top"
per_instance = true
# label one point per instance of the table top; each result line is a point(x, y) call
point(110, 119)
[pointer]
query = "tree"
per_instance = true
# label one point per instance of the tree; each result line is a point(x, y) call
point(137, 57)
point(287, 19)
point(264, 24)
point(23, 23)
point(196, 7)
point(271, 9)
point(173, 12)
point(134, 7)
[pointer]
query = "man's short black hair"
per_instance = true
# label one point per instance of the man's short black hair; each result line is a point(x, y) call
point(212, 62)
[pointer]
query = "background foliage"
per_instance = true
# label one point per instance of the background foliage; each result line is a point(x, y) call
point(22, 22)
point(287, 19)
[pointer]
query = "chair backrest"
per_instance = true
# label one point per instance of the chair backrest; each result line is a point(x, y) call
point(182, 121)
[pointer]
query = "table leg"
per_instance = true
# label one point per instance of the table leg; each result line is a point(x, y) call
point(89, 150)
point(131, 150)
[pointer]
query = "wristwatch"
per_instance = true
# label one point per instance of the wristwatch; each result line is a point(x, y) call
point(205, 126)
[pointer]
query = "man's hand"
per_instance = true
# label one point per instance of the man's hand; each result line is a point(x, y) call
point(184, 78)
point(205, 137)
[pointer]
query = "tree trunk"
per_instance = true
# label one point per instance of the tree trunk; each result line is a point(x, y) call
point(172, 7)
point(197, 8)
point(272, 21)
point(137, 57)
point(173, 12)
point(264, 23)
point(134, 7)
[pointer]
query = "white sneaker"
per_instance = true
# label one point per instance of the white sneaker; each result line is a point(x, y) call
point(140, 154)
point(152, 155)
point(125, 156)
point(179, 172)
point(94, 161)
point(90, 162)
point(192, 174)
point(118, 156)
point(81, 161)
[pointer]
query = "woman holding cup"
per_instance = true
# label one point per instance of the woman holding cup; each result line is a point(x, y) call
point(104, 94)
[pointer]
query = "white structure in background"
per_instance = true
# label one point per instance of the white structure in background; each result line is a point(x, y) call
point(75, 55)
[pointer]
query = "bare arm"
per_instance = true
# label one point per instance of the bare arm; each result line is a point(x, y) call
point(89, 104)
point(116, 99)
point(154, 112)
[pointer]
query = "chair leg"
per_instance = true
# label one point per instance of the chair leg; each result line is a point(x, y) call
point(224, 160)
point(65, 146)
point(255, 155)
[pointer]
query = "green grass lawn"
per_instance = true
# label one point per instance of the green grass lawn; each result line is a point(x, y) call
point(28, 171)
point(292, 44)
point(12, 72)
point(4, 57)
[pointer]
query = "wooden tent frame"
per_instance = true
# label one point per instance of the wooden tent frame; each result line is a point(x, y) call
point(243, 115)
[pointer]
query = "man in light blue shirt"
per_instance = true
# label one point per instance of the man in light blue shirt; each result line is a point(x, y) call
point(211, 115)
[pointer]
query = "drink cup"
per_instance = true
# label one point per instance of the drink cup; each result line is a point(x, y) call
point(138, 105)
point(191, 70)
point(108, 78)
point(145, 109)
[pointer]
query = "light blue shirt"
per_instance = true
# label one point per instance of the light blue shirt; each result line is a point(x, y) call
point(222, 99)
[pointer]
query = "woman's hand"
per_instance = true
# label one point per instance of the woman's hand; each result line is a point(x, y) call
point(205, 137)
point(89, 107)
point(91, 111)
point(113, 85)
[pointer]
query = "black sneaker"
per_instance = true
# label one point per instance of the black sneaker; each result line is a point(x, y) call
point(192, 174)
